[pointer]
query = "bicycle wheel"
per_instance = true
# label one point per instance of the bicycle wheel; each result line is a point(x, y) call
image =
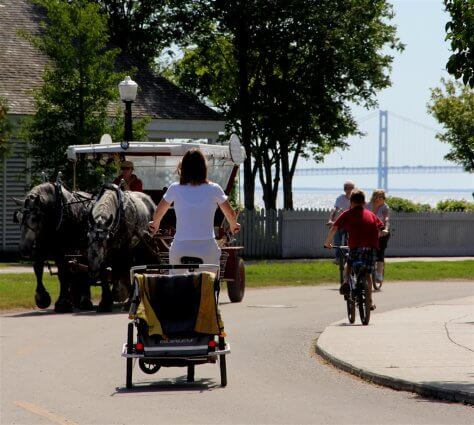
point(376, 285)
point(363, 301)
point(351, 310)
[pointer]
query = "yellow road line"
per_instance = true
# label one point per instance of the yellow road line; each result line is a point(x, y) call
point(44, 413)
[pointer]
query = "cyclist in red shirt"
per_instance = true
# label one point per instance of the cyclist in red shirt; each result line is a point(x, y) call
point(363, 227)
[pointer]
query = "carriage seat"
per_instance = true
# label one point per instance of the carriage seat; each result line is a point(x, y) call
point(177, 305)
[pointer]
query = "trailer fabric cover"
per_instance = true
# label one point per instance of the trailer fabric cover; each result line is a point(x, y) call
point(178, 304)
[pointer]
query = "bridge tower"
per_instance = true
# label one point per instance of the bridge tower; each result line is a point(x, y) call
point(382, 172)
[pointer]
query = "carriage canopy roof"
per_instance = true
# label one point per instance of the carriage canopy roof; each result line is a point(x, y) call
point(150, 149)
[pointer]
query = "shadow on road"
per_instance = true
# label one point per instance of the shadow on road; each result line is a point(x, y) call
point(177, 385)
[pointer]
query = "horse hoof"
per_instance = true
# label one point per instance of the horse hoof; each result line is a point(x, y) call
point(86, 304)
point(104, 307)
point(43, 300)
point(63, 306)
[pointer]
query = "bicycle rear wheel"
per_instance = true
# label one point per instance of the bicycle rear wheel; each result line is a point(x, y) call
point(351, 310)
point(363, 301)
point(376, 284)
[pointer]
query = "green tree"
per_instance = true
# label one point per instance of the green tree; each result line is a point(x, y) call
point(460, 32)
point(288, 71)
point(405, 205)
point(138, 28)
point(453, 106)
point(5, 128)
point(80, 82)
point(455, 205)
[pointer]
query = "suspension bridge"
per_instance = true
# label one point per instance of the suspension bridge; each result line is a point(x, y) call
point(423, 159)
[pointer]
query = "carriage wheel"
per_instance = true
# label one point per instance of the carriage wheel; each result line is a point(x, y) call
point(190, 377)
point(129, 359)
point(222, 363)
point(236, 289)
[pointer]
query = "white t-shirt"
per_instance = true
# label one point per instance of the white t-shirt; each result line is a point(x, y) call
point(342, 203)
point(195, 207)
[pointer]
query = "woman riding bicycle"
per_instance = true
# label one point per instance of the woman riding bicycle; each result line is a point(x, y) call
point(378, 206)
point(195, 201)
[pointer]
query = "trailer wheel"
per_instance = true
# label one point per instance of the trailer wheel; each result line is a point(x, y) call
point(147, 367)
point(222, 363)
point(129, 359)
point(190, 377)
point(236, 288)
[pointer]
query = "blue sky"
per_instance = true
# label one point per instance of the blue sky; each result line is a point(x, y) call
point(420, 25)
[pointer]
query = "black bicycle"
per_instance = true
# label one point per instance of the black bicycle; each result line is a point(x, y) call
point(358, 294)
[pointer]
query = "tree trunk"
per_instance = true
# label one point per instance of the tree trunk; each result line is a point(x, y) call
point(241, 45)
point(287, 177)
point(269, 180)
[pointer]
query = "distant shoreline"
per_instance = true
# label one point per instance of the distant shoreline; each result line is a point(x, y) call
point(338, 189)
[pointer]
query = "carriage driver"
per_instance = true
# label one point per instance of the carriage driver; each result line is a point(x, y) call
point(132, 182)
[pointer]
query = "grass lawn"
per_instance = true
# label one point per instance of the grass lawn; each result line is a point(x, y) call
point(317, 272)
point(17, 290)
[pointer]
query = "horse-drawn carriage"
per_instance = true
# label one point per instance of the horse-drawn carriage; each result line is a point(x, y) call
point(156, 165)
point(62, 226)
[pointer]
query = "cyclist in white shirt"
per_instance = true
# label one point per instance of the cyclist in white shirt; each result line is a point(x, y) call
point(195, 201)
point(342, 204)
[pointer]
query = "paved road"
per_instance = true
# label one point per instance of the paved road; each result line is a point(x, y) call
point(66, 369)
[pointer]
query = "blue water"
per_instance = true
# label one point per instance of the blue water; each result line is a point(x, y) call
point(324, 198)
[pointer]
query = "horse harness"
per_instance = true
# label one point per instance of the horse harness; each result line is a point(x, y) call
point(21, 214)
point(108, 233)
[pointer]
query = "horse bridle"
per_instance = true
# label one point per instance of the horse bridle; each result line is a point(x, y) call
point(108, 233)
point(21, 214)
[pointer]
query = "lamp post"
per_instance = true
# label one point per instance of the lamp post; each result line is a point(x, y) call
point(128, 93)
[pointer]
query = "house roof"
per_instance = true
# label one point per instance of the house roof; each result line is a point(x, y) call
point(22, 65)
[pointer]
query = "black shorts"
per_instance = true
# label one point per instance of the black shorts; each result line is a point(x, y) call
point(363, 255)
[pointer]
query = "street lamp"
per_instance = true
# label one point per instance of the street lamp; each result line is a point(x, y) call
point(128, 93)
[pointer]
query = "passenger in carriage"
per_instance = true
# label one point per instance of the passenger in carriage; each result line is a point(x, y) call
point(195, 201)
point(132, 182)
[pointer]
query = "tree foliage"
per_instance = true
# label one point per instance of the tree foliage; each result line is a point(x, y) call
point(5, 128)
point(80, 82)
point(405, 205)
point(285, 72)
point(455, 205)
point(460, 33)
point(139, 28)
point(453, 106)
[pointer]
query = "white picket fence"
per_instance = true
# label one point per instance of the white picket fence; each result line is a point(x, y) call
point(301, 234)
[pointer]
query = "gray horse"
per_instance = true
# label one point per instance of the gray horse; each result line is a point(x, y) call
point(118, 222)
point(53, 224)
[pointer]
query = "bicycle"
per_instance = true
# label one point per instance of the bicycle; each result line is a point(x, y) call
point(358, 287)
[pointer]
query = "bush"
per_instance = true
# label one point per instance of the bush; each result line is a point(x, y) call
point(405, 205)
point(455, 205)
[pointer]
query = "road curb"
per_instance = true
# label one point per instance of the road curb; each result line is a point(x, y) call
point(396, 383)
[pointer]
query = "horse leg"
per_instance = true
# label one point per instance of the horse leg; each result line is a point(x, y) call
point(121, 285)
point(42, 298)
point(63, 304)
point(106, 301)
point(85, 302)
